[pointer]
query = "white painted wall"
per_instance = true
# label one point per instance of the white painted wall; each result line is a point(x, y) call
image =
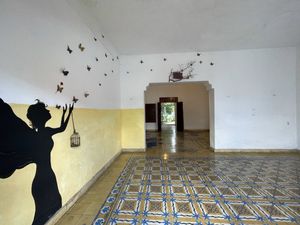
point(254, 92)
point(298, 94)
point(195, 102)
point(33, 50)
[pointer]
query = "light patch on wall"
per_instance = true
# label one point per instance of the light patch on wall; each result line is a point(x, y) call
point(133, 129)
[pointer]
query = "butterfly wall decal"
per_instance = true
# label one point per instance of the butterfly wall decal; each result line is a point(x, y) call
point(97, 59)
point(69, 49)
point(65, 72)
point(95, 39)
point(80, 46)
point(86, 94)
point(75, 99)
point(59, 88)
point(57, 106)
point(105, 55)
point(88, 67)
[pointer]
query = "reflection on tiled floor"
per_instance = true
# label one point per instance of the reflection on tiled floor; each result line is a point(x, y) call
point(178, 141)
point(205, 190)
point(182, 180)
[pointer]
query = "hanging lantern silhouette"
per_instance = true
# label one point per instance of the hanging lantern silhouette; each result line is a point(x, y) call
point(75, 138)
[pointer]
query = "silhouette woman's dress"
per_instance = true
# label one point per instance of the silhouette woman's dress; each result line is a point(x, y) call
point(21, 145)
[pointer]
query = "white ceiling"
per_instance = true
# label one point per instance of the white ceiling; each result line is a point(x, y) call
point(166, 26)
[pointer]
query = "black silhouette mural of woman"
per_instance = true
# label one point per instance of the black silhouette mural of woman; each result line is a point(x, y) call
point(21, 145)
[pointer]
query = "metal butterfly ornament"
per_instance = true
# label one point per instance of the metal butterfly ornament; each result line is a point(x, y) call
point(65, 72)
point(59, 87)
point(75, 100)
point(69, 49)
point(80, 46)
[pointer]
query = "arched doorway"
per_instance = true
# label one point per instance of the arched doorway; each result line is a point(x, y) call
point(198, 106)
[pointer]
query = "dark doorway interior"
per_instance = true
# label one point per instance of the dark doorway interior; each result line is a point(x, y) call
point(170, 114)
point(179, 118)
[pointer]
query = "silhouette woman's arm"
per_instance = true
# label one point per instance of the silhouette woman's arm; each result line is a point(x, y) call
point(64, 122)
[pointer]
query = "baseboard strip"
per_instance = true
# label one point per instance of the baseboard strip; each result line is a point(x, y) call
point(133, 149)
point(257, 150)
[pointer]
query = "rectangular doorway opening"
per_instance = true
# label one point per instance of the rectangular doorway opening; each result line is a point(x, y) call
point(168, 115)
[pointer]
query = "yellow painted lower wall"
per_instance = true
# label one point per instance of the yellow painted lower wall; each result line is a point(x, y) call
point(100, 132)
point(133, 128)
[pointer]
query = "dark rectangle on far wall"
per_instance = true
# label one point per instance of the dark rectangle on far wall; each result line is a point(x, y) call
point(168, 99)
point(150, 113)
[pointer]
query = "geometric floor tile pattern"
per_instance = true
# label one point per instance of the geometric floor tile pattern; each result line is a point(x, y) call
point(205, 190)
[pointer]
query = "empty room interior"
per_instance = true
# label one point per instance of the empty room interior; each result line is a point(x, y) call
point(149, 112)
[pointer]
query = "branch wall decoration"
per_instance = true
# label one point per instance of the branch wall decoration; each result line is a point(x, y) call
point(184, 72)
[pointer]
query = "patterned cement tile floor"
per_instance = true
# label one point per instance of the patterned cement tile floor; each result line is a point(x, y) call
point(194, 185)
